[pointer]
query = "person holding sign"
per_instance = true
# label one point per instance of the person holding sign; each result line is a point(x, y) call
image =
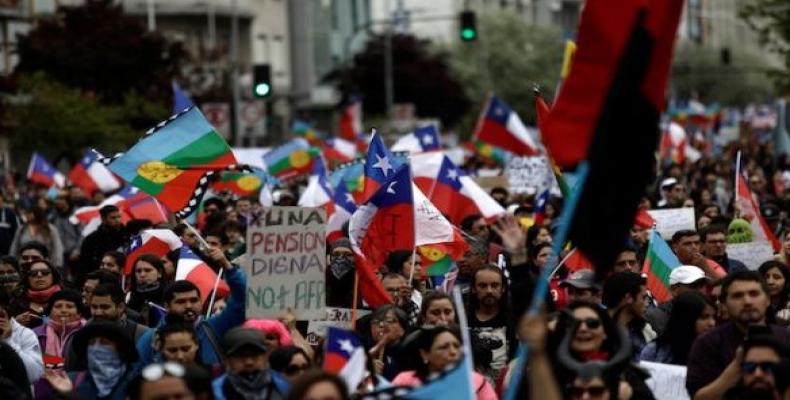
point(183, 298)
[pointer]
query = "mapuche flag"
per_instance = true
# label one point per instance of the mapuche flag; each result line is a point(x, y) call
point(174, 161)
point(659, 263)
point(607, 113)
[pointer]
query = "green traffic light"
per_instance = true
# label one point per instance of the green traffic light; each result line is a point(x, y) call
point(468, 34)
point(262, 89)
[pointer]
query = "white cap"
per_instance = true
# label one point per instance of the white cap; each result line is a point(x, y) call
point(686, 274)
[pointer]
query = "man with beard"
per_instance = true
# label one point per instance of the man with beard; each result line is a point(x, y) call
point(248, 374)
point(489, 316)
point(713, 366)
point(760, 369)
point(107, 305)
point(108, 236)
point(183, 298)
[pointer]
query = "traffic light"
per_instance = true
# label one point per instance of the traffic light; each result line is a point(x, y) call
point(468, 26)
point(261, 81)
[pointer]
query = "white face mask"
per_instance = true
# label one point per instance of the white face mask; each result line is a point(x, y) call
point(105, 366)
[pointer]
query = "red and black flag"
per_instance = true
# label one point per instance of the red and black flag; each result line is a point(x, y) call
point(607, 114)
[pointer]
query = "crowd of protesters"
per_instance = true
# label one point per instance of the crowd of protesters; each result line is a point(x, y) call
point(71, 326)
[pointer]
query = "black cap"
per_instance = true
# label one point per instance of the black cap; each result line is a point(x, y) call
point(239, 338)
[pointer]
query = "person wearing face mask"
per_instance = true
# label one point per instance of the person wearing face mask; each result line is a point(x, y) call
point(105, 357)
point(340, 274)
point(9, 273)
point(147, 288)
point(248, 374)
point(64, 319)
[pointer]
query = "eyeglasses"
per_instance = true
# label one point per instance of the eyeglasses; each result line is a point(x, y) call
point(155, 372)
point(295, 369)
point(39, 272)
point(592, 323)
point(594, 391)
point(767, 367)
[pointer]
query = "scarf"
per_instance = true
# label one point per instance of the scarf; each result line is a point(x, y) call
point(147, 287)
point(42, 296)
point(253, 386)
point(57, 335)
point(106, 368)
point(593, 356)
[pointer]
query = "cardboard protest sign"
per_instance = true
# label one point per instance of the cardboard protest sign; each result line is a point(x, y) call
point(671, 220)
point(752, 253)
point(666, 381)
point(333, 316)
point(286, 260)
point(526, 174)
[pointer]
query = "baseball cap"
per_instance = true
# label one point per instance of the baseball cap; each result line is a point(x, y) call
point(686, 274)
point(581, 279)
point(668, 183)
point(238, 338)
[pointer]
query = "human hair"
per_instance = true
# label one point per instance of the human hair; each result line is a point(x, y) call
point(396, 259)
point(305, 382)
point(744, 276)
point(784, 297)
point(468, 221)
point(682, 234)
point(112, 289)
point(10, 260)
point(103, 276)
point(766, 340)
point(392, 275)
point(119, 257)
point(280, 358)
point(609, 345)
point(618, 285)
point(26, 273)
point(215, 201)
point(503, 301)
point(381, 313)
point(232, 224)
point(428, 298)
point(532, 234)
point(136, 386)
point(174, 324)
point(67, 295)
point(180, 286)
point(105, 211)
point(424, 342)
point(534, 251)
point(5, 300)
point(39, 218)
point(34, 245)
point(711, 230)
point(155, 262)
point(680, 331)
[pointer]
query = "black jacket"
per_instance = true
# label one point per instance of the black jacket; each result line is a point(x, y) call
point(95, 245)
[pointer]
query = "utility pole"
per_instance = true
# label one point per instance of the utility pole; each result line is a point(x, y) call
point(234, 75)
point(151, 9)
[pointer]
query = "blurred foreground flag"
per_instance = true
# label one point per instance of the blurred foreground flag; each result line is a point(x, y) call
point(345, 356)
point(174, 161)
point(191, 268)
point(421, 140)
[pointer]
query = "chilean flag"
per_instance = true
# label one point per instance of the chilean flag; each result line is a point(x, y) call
point(41, 171)
point(750, 211)
point(421, 140)
point(91, 175)
point(344, 208)
point(339, 150)
point(152, 241)
point(380, 165)
point(344, 356)
point(318, 192)
point(500, 126)
point(143, 206)
point(387, 222)
point(351, 121)
point(89, 216)
point(454, 193)
point(191, 268)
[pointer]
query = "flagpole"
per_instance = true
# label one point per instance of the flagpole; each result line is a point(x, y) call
point(467, 341)
point(557, 268)
point(196, 233)
point(355, 299)
point(542, 284)
point(414, 222)
point(214, 293)
point(737, 171)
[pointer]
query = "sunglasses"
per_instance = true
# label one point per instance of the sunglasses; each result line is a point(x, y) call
point(40, 272)
point(592, 323)
point(155, 372)
point(578, 392)
point(295, 369)
point(766, 366)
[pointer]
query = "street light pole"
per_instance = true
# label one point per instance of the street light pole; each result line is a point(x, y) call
point(234, 79)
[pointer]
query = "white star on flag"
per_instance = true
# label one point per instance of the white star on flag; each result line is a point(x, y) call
point(427, 140)
point(346, 345)
point(349, 198)
point(452, 174)
point(499, 111)
point(383, 164)
point(391, 188)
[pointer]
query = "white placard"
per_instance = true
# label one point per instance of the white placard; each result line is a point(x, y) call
point(286, 260)
point(666, 381)
point(671, 220)
point(526, 174)
point(335, 317)
point(752, 254)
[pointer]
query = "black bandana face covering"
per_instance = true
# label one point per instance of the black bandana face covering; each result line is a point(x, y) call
point(251, 385)
point(341, 266)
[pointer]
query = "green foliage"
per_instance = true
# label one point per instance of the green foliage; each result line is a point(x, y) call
point(508, 58)
point(771, 20)
point(698, 72)
point(62, 122)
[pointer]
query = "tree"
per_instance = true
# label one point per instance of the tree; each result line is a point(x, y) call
point(771, 20)
point(508, 58)
point(420, 76)
point(698, 72)
point(96, 48)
